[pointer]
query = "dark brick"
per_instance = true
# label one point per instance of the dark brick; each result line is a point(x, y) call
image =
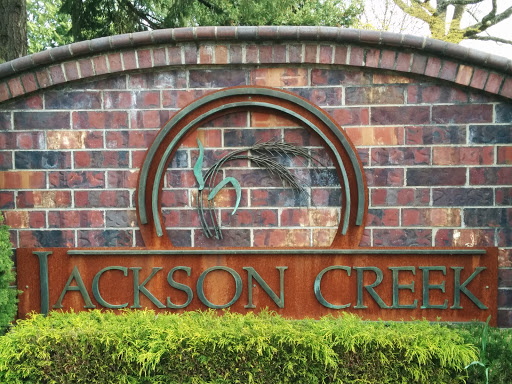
point(418, 94)
point(260, 178)
point(33, 102)
point(42, 159)
point(76, 219)
point(5, 120)
point(504, 298)
point(247, 137)
point(100, 120)
point(436, 176)
point(181, 179)
point(73, 100)
point(278, 197)
point(474, 113)
point(236, 119)
point(339, 77)
point(448, 197)
point(320, 96)
point(487, 217)
point(81, 179)
point(400, 115)
point(179, 160)
point(400, 196)
point(324, 177)
point(114, 82)
point(324, 197)
point(505, 318)
point(505, 278)
point(6, 160)
point(175, 198)
point(180, 238)
point(166, 79)
point(108, 238)
point(382, 218)
point(101, 159)
point(121, 218)
point(217, 78)
point(41, 120)
point(180, 98)
point(505, 237)
point(6, 200)
point(54, 238)
point(213, 155)
point(503, 196)
point(490, 175)
point(490, 134)
point(384, 177)
point(402, 237)
point(504, 113)
point(400, 156)
point(102, 199)
point(231, 238)
point(443, 134)
point(249, 218)
point(374, 95)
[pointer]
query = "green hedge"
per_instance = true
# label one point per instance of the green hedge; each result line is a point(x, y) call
point(8, 295)
point(199, 347)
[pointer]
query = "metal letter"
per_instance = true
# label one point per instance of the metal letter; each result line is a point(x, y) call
point(138, 288)
point(200, 288)
point(43, 279)
point(318, 292)
point(397, 287)
point(179, 286)
point(78, 287)
point(251, 272)
point(427, 287)
point(369, 288)
point(96, 288)
point(462, 287)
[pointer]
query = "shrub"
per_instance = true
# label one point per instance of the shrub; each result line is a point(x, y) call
point(202, 347)
point(8, 295)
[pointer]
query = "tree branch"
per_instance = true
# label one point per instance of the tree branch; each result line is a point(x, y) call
point(488, 21)
point(415, 10)
point(491, 38)
point(141, 15)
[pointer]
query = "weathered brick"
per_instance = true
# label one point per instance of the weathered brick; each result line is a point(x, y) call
point(503, 196)
point(100, 120)
point(230, 238)
point(490, 176)
point(57, 74)
point(247, 138)
point(310, 53)
point(80, 179)
point(464, 75)
point(436, 176)
point(400, 197)
point(217, 78)
point(226, 198)
point(400, 115)
point(6, 160)
point(122, 179)
point(124, 218)
point(320, 177)
point(149, 118)
point(320, 96)
point(324, 54)
point(41, 120)
point(5, 121)
point(180, 179)
point(43, 199)
point(114, 82)
point(309, 217)
point(351, 116)
point(339, 77)
point(102, 199)
point(494, 81)
point(261, 119)
point(474, 113)
point(209, 138)
point(221, 54)
point(323, 237)
point(175, 198)
point(190, 54)
point(490, 134)
point(464, 238)
point(280, 197)
point(506, 88)
point(4, 92)
point(7, 199)
point(279, 77)
point(444, 134)
point(449, 72)
point(504, 278)
point(419, 94)
point(101, 159)
point(144, 58)
point(179, 238)
point(107, 238)
point(462, 197)
point(282, 238)
point(22, 180)
point(29, 82)
point(73, 139)
point(131, 100)
point(431, 217)
point(31, 103)
point(400, 156)
point(356, 56)
point(47, 238)
point(374, 95)
point(487, 217)
point(376, 135)
point(25, 219)
point(504, 298)
point(505, 258)
point(42, 160)
point(433, 67)
point(249, 218)
point(462, 155)
point(295, 53)
point(321, 197)
point(180, 98)
point(179, 160)
point(503, 113)
point(388, 59)
point(402, 237)
point(385, 177)
point(383, 218)
point(76, 219)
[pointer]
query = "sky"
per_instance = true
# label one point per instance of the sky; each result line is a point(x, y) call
point(397, 21)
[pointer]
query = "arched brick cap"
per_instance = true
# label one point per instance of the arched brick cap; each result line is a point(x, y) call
point(262, 45)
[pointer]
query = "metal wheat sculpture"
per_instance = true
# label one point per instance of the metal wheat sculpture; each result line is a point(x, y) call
point(262, 155)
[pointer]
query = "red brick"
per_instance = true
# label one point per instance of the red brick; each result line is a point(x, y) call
point(436, 135)
point(29, 82)
point(138, 158)
point(4, 92)
point(43, 78)
point(100, 120)
point(30, 140)
point(356, 56)
point(464, 238)
point(101, 159)
point(436, 176)
point(262, 119)
point(265, 54)
point(464, 75)
point(251, 54)
point(107, 238)
point(249, 218)
point(505, 155)
point(462, 155)
point(493, 82)
point(479, 78)
point(102, 199)
point(7, 200)
point(174, 54)
point(372, 58)
point(144, 58)
point(419, 64)
point(490, 176)
point(25, 219)
point(403, 62)
point(159, 58)
point(388, 59)
point(400, 197)
point(16, 87)
point(76, 219)
point(339, 77)
point(122, 179)
point(22, 180)
point(221, 54)
point(449, 70)
point(282, 238)
point(86, 68)
point(435, 94)
point(53, 238)
point(382, 218)
point(115, 62)
point(74, 179)
point(506, 89)
point(180, 98)
point(43, 199)
point(350, 116)
point(400, 156)
point(310, 54)
point(71, 70)
point(129, 60)
point(402, 237)
point(190, 53)
point(150, 119)
point(295, 53)
point(376, 135)
point(230, 238)
point(385, 177)
point(433, 67)
point(174, 198)
point(180, 179)
point(206, 53)
point(100, 65)
point(57, 75)
point(505, 258)
point(340, 54)
point(400, 115)
point(474, 113)
point(431, 217)
point(309, 217)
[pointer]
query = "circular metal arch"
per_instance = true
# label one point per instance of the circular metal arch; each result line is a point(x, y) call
point(158, 156)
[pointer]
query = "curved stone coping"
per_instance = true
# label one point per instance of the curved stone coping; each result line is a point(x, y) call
point(404, 53)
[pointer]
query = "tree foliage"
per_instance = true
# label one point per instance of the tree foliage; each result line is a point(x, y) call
point(8, 295)
point(46, 27)
point(96, 18)
point(444, 17)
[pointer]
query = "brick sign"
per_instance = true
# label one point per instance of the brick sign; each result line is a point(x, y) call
point(454, 284)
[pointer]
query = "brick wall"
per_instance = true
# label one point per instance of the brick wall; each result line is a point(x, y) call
point(433, 132)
